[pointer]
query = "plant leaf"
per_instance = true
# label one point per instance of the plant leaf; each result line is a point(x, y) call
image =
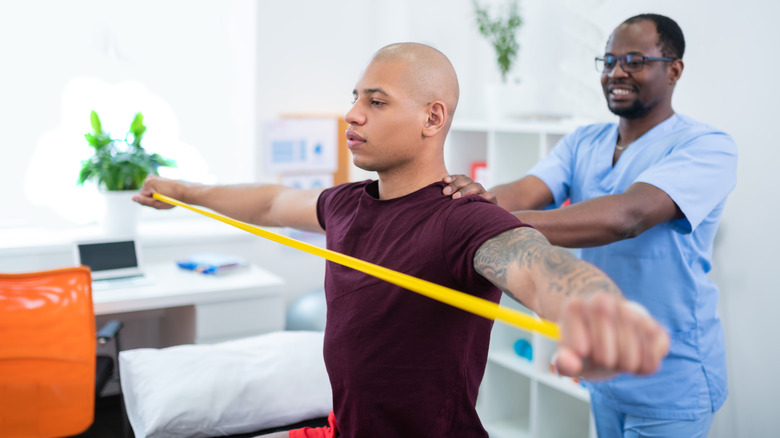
point(95, 121)
point(137, 129)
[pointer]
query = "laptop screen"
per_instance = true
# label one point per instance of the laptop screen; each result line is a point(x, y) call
point(109, 259)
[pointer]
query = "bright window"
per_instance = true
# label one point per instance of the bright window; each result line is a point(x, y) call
point(193, 79)
point(58, 152)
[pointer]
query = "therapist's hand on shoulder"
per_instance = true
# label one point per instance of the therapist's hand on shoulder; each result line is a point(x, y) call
point(605, 334)
point(461, 185)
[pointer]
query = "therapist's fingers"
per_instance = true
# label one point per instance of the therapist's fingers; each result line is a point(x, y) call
point(461, 185)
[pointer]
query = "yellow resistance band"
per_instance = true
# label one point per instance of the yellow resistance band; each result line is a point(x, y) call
point(463, 301)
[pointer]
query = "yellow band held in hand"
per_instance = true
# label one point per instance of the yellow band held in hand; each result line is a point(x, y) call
point(463, 301)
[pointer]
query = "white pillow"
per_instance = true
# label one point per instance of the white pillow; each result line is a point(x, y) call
point(233, 387)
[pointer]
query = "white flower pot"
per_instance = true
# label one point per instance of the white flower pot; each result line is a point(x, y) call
point(120, 213)
point(510, 100)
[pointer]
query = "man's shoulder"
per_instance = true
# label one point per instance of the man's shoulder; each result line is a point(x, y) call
point(592, 132)
point(690, 131)
point(588, 137)
point(694, 126)
point(597, 126)
point(351, 185)
point(345, 188)
point(594, 128)
point(478, 209)
point(341, 197)
point(678, 122)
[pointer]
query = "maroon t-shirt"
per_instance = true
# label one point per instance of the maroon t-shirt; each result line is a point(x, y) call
point(401, 364)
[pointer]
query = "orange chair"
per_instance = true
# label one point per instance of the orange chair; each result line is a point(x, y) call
point(48, 353)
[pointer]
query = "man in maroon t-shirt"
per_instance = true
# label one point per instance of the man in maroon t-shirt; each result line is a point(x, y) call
point(401, 364)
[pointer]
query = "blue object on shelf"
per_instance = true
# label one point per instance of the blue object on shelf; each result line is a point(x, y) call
point(523, 348)
point(211, 263)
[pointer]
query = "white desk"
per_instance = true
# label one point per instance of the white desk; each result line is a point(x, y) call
point(182, 307)
point(200, 308)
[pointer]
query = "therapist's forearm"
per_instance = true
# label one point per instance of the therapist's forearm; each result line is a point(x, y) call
point(606, 219)
point(595, 222)
point(527, 193)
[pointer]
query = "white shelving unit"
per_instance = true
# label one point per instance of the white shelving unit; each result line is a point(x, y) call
point(523, 398)
point(519, 397)
point(510, 148)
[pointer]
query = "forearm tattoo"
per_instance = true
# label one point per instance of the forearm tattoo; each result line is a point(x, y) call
point(529, 249)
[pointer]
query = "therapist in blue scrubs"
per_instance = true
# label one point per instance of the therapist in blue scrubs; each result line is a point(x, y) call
point(646, 195)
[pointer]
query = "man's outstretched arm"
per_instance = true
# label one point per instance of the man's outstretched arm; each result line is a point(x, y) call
point(602, 333)
point(260, 204)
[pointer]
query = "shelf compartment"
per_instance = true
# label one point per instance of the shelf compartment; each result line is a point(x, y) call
point(507, 429)
point(463, 148)
point(565, 385)
point(507, 358)
point(507, 410)
point(561, 415)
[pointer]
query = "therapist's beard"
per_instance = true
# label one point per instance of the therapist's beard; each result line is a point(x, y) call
point(635, 111)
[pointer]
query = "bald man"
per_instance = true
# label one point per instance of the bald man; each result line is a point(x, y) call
point(401, 364)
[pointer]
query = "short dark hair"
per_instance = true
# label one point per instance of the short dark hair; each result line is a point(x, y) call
point(670, 36)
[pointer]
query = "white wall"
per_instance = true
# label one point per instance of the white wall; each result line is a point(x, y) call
point(196, 56)
point(224, 67)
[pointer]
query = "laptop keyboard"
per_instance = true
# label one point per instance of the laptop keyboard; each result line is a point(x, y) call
point(121, 282)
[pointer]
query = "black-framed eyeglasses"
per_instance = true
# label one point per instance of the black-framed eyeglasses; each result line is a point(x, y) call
point(631, 63)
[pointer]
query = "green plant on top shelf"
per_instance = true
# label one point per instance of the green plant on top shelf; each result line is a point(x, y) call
point(501, 32)
point(119, 163)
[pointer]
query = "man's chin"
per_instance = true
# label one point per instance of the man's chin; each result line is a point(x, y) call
point(631, 112)
point(364, 166)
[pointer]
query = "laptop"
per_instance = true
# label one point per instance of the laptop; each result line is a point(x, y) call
point(114, 262)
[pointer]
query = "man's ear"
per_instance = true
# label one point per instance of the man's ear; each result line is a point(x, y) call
point(436, 119)
point(675, 71)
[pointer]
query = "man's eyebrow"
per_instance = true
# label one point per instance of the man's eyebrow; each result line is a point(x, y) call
point(634, 52)
point(372, 91)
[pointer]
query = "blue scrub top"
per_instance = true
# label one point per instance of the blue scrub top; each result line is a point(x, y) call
point(665, 268)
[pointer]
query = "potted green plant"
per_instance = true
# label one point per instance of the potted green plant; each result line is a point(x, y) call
point(119, 167)
point(119, 163)
point(501, 31)
point(504, 98)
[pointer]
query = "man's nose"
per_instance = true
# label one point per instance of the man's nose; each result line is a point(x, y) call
point(618, 70)
point(354, 117)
